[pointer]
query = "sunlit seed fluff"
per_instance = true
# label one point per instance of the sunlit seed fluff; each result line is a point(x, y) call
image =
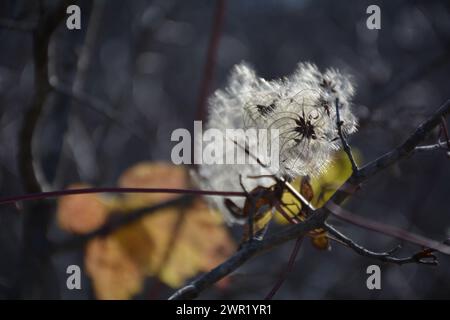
point(301, 106)
point(226, 112)
point(330, 85)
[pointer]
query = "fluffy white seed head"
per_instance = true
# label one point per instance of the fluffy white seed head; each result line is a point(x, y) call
point(302, 107)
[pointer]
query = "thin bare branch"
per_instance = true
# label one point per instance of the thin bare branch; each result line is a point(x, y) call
point(440, 146)
point(318, 218)
point(247, 251)
point(422, 257)
point(344, 141)
point(386, 229)
point(393, 156)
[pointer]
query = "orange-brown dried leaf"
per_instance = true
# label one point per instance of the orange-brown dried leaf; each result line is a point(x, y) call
point(127, 250)
point(319, 239)
point(152, 175)
point(306, 189)
point(114, 275)
point(260, 224)
point(81, 213)
point(173, 244)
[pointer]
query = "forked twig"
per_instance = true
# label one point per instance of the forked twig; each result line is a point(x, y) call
point(386, 229)
point(317, 220)
point(421, 257)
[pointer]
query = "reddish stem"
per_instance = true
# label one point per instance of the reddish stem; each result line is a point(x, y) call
point(285, 215)
point(155, 290)
point(292, 257)
point(68, 192)
point(288, 269)
point(211, 55)
point(444, 130)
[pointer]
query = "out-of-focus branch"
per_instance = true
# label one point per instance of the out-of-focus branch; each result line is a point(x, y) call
point(70, 94)
point(35, 276)
point(211, 55)
point(94, 104)
point(41, 38)
point(407, 147)
point(408, 76)
point(18, 25)
point(413, 74)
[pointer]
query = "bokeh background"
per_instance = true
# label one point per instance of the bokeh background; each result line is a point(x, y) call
point(140, 65)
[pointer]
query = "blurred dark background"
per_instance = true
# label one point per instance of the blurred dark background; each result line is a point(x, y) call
point(138, 66)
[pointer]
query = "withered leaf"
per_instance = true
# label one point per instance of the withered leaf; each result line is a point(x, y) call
point(81, 213)
point(157, 245)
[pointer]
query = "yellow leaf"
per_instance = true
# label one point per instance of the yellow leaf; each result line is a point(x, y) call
point(136, 242)
point(336, 174)
point(323, 186)
point(318, 190)
point(202, 242)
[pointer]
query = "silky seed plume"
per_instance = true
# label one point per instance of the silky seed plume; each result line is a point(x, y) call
point(301, 107)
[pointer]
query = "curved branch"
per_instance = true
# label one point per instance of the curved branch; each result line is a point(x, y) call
point(69, 192)
point(248, 251)
point(41, 39)
point(318, 218)
point(386, 229)
point(422, 257)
